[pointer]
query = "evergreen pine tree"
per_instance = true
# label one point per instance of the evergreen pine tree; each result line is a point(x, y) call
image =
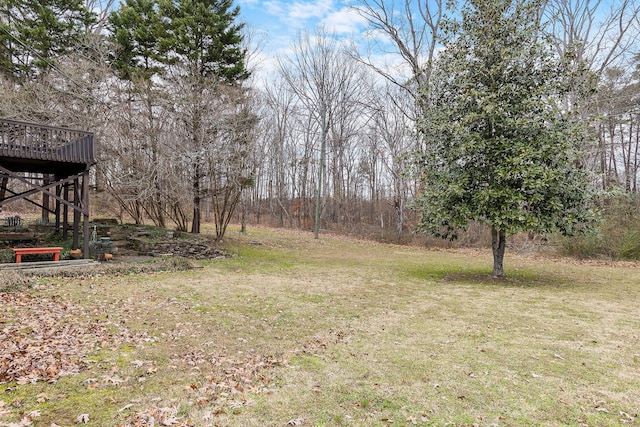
point(35, 33)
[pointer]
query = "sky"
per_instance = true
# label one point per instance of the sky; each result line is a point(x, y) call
point(275, 24)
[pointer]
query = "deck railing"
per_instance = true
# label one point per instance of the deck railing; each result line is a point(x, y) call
point(32, 141)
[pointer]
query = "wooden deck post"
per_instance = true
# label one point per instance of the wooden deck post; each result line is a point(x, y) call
point(65, 212)
point(76, 214)
point(57, 208)
point(85, 213)
point(46, 179)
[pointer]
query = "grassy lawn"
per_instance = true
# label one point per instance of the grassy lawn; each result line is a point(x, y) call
point(297, 331)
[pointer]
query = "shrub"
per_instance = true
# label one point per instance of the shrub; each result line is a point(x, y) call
point(630, 248)
point(619, 234)
point(6, 256)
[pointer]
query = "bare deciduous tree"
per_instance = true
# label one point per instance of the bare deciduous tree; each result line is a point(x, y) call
point(599, 33)
point(601, 38)
point(330, 86)
point(408, 29)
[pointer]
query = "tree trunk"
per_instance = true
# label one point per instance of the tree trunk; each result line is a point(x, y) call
point(195, 223)
point(157, 209)
point(498, 244)
point(397, 204)
point(243, 216)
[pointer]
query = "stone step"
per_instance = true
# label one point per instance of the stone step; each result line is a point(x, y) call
point(48, 264)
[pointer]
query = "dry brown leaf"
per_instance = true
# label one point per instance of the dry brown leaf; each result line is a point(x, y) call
point(170, 421)
point(46, 340)
point(82, 419)
point(125, 407)
point(42, 397)
point(138, 363)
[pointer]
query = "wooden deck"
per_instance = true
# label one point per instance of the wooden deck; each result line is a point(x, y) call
point(43, 164)
point(37, 148)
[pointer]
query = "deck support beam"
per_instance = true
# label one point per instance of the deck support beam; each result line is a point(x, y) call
point(79, 204)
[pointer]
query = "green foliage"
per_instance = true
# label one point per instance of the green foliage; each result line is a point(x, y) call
point(630, 248)
point(204, 35)
point(619, 234)
point(150, 35)
point(590, 245)
point(500, 148)
point(137, 28)
point(35, 33)
point(53, 239)
point(155, 233)
point(6, 256)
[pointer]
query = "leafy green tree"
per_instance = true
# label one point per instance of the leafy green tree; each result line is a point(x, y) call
point(34, 34)
point(501, 150)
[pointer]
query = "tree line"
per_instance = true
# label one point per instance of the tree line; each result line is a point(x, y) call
point(186, 132)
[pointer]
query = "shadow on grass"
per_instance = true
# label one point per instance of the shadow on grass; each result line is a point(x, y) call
point(482, 276)
point(513, 280)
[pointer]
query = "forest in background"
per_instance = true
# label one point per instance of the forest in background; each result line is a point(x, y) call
point(186, 134)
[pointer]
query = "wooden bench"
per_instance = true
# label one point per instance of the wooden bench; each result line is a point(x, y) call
point(24, 251)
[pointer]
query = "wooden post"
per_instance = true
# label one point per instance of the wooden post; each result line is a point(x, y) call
point(46, 179)
point(85, 214)
point(65, 209)
point(3, 188)
point(76, 213)
point(57, 209)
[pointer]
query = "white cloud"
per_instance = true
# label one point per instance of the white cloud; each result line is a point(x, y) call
point(274, 8)
point(243, 3)
point(303, 11)
point(297, 14)
point(344, 21)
